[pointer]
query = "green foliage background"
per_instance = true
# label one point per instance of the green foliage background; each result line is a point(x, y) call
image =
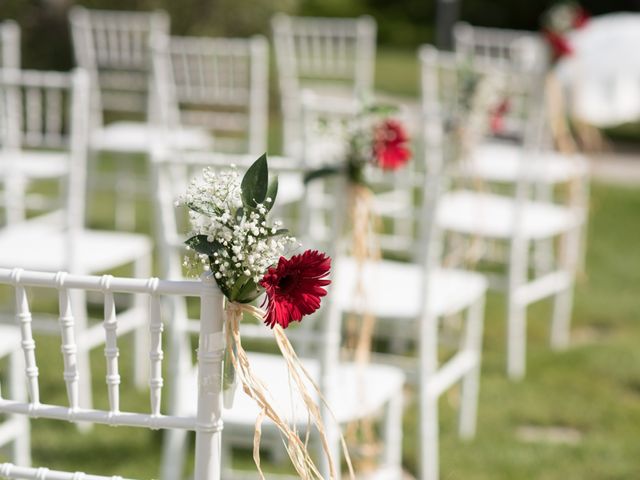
point(401, 23)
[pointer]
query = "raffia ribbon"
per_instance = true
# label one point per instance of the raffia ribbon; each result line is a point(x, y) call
point(256, 389)
point(360, 327)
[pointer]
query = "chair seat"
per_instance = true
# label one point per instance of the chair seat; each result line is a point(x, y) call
point(40, 246)
point(493, 216)
point(9, 339)
point(503, 162)
point(138, 137)
point(379, 383)
point(394, 289)
point(34, 164)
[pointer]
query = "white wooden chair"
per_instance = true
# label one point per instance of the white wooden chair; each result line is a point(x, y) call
point(9, 44)
point(114, 47)
point(46, 114)
point(497, 161)
point(206, 420)
point(409, 300)
point(332, 56)
point(514, 218)
point(338, 381)
point(218, 86)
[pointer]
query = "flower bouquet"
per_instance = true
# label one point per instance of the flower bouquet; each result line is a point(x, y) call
point(559, 20)
point(234, 240)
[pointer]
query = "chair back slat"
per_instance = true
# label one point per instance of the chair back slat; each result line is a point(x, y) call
point(9, 44)
point(207, 423)
point(217, 84)
point(115, 48)
point(24, 319)
point(69, 346)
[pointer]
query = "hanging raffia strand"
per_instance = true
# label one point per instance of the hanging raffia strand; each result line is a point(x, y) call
point(360, 327)
point(258, 391)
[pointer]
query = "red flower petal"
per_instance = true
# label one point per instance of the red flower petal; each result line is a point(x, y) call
point(389, 145)
point(294, 287)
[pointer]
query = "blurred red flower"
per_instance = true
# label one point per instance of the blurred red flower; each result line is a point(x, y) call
point(496, 117)
point(559, 44)
point(390, 145)
point(294, 287)
point(581, 18)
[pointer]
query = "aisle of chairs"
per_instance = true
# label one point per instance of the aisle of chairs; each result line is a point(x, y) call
point(501, 207)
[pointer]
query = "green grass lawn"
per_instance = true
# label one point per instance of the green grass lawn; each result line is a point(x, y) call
point(593, 387)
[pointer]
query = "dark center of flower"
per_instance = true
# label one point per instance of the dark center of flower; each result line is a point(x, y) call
point(285, 282)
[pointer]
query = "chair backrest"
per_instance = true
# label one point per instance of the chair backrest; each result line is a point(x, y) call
point(114, 47)
point(218, 84)
point(44, 112)
point(9, 44)
point(457, 98)
point(317, 53)
point(207, 424)
point(326, 126)
point(497, 44)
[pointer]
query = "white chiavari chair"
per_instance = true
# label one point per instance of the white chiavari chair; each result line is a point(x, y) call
point(498, 161)
point(29, 286)
point(411, 301)
point(338, 381)
point(218, 85)
point(332, 56)
point(43, 114)
point(114, 47)
point(9, 44)
point(510, 218)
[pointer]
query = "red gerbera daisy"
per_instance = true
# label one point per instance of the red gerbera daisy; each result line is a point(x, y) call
point(294, 287)
point(390, 145)
point(559, 44)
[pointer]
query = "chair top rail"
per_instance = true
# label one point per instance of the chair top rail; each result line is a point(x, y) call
point(8, 470)
point(139, 20)
point(36, 78)
point(101, 283)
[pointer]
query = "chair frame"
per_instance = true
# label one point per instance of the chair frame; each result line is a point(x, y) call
point(188, 75)
point(521, 291)
point(9, 44)
point(317, 47)
point(207, 423)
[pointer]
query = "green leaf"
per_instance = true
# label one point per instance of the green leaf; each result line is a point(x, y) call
point(382, 109)
point(272, 193)
point(321, 172)
point(239, 214)
point(201, 245)
point(249, 292)
point(280, 231)
point(255, 182)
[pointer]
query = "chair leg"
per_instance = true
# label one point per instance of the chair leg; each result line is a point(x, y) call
point(471, 380)
point(561, 319)
point(392, 434)
point(516, 309)
point(21, 448)
point(570, 257)
point(429, 430)
point(174, 450)
point(516, 339)
point(142, 269)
